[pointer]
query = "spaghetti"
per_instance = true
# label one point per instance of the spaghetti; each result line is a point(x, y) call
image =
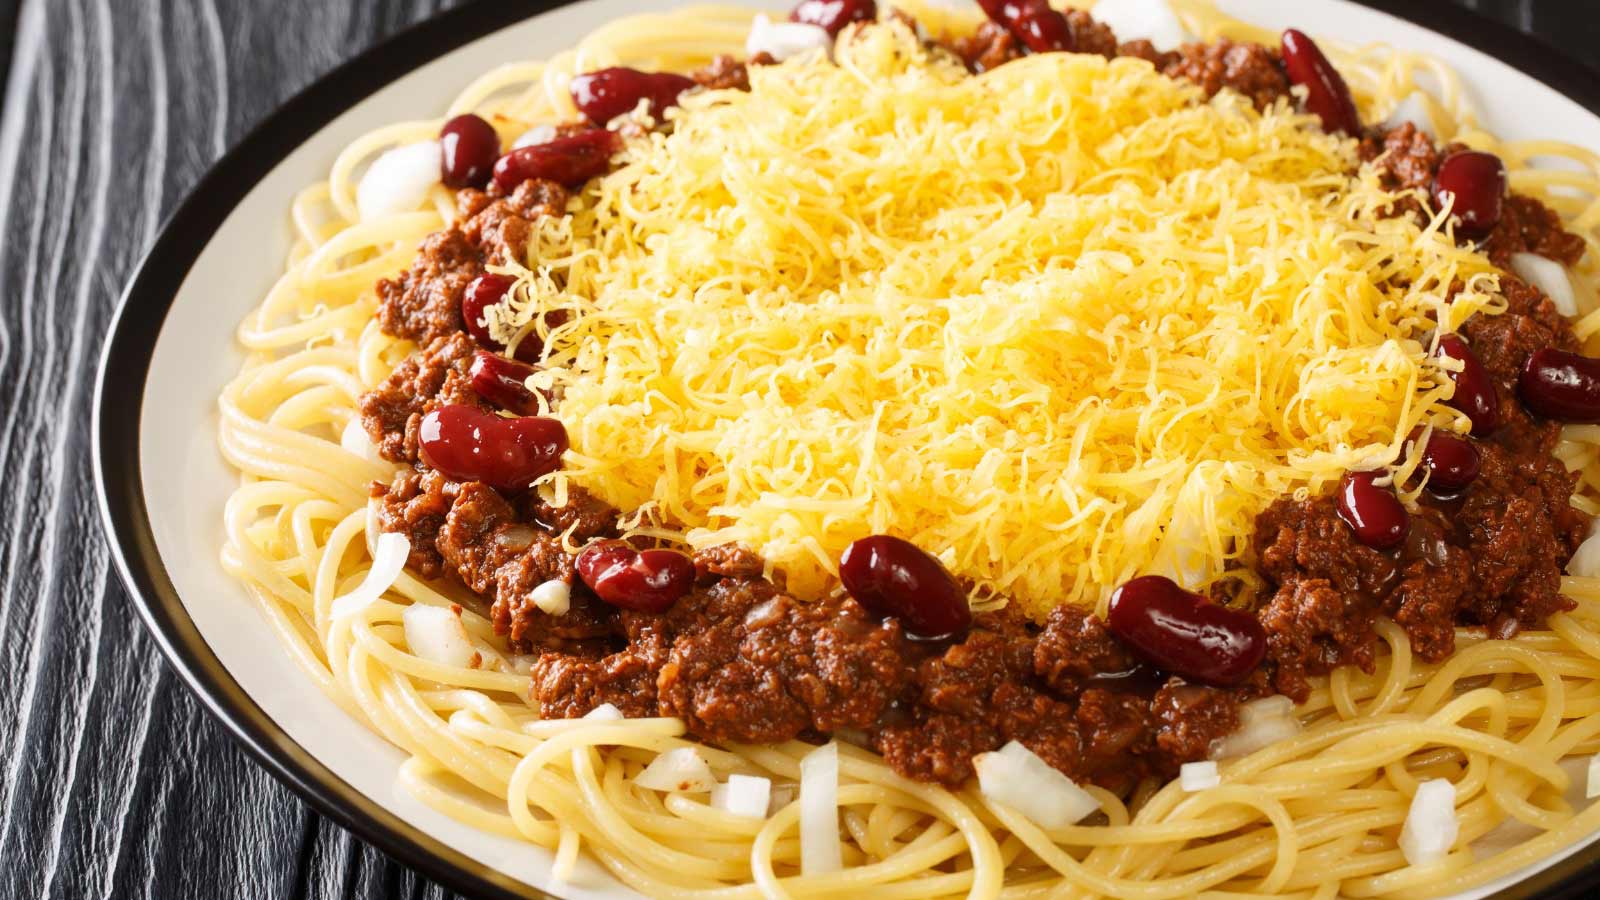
point(1318, 814)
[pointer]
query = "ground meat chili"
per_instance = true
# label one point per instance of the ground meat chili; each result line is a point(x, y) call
point(741, 660)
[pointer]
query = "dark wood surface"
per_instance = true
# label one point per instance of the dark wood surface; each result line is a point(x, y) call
point(113, 781)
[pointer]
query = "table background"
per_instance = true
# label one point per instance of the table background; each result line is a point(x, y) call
point(113, 782)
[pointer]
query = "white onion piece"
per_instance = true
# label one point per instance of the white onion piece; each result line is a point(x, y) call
point(1199, 776)
point(605, 712)
point(1549, 276)
point(683, 769)
point(1413, 109)
point(1016, 777)
point(538, 134)
point(820, 849)
point(397, 181)
point(1585, 561)
point(1261, 723)
point(782, 795)
point(437, 635)
point(782, 40)
point(354, 440)
point(1431, 824)
point(1152, 20)
point(743, 795)
point(1592, 788)
point(553, 596)
point(388, 561)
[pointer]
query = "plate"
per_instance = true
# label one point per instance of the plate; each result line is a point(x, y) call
point(162, 481)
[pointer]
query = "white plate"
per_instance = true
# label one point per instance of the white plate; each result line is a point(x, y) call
point(163, 481)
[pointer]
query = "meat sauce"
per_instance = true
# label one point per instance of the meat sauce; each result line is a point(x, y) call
point(740, 660)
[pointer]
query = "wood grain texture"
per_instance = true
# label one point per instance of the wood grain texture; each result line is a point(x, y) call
point(113, 782)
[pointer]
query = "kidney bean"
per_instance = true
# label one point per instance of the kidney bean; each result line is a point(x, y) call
point(1560, 385)
point(1475, 391)
point(503, 382)
point(894, 577)
point(569, 160)
point(468, 444)
point(1327, 95)
point(1374, 513)
point(833, 15)
point(1474, 184)
point(641, 580)
point(1184, 633)
point(1451, 460)
point(604, 94)
point(470, 147)
point(1035, 23)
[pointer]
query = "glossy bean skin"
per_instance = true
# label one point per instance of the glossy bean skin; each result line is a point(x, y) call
point(1374, 513)
point(1327, 96)
point(467, 444)
point(1474, 183)
point(604, 94)
point(1185, 634)
point(1035, 23)
point(470, 147)
point(833, 15)
point(570, 160)
point(894, 577)
point(1560, 385)
point(503, 382)
point(1475, 391)
point(640, 580)
point(1452, 462)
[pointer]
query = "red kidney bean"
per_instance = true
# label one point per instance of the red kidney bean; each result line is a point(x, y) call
point(833, 15)
point(470, 147)
point(503, 382)
point(1477, 183)
point(1327, 96)
point(1035, 23)
point(1475, 391)
point(1374, 513)
point(642, 580)
point(1184, 633)
point(569, 160)
point(893, 577)
point(607, 93)
point(483, 292)
point(1560, 385)
point(1451, 460)
point(468, 444)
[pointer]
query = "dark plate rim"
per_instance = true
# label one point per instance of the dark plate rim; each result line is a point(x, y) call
point(148, 297)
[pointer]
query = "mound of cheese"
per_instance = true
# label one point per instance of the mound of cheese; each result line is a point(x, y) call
point(1060, 324)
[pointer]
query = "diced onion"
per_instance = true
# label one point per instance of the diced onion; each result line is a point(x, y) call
point(683, 769)
point(1585, 561)
point(1413, 109)
point(388, 561)
point(782, 795)
point(354, 440)
point(553, 596)
point(1152, 20)
point(1431, 824)
point(1261, 723)
point(437, 635)
point(605, 712)
point(1016, 777)
point(538, 134)
point(782, 40)
point(1199, 776)
point(1592, 789)
point(744, 795)
point(820, 849)
point(1549, 276)
point(397, 181)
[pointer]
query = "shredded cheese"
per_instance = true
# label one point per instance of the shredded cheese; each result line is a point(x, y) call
point(1061, 323)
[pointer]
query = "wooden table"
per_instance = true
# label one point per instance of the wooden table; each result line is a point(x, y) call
point(113, 782)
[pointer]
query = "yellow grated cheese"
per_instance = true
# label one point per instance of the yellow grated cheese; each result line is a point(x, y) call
point(1062, 323)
